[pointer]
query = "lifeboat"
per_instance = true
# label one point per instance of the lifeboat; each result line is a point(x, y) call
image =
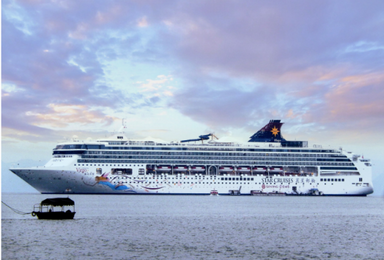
point(243, 169)
point(276, 169)
point(163, 168)
point(198, 168)
point(226, 169)
point(259, 169)
point(180, 168)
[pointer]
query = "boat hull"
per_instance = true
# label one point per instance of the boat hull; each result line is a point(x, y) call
point(54, 215)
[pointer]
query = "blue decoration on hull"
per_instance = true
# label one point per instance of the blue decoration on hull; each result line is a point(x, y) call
point(114, 187)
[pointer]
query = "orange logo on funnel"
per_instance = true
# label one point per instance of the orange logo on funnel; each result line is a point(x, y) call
point(275, 131)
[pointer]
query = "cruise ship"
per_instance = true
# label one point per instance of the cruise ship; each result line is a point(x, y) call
point(267, 164)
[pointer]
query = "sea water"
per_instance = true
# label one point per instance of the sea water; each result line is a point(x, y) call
point(197, 227)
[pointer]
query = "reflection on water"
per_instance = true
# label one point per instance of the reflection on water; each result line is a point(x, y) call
point(198, 227)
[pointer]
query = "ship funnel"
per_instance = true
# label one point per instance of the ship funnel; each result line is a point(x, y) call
point(269, 133)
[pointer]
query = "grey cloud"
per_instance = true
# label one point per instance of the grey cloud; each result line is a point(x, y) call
point(261, 38)
point(209, 102)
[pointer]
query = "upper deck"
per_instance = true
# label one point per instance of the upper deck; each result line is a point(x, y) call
point(209, 146)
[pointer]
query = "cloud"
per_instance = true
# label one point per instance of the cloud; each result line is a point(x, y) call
point(356, 97)
point(216, 106)
point(262, 39)
point(142, 22)
point(61, 115)
point(233, 65)
point(56, 60)
point(158, 87)
point(300, 52)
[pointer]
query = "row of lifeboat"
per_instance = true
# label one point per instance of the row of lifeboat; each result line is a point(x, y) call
point(179, 168)
point(221, 169)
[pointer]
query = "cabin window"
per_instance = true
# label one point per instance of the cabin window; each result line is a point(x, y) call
point(360, 179)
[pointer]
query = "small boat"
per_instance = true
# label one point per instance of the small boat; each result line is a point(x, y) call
point(259, 169)
point(55, 208)
point(226, 169)
point(164, 168)
point(214, 193)
point(243, 169)
point(198, 169)
point(180, 168)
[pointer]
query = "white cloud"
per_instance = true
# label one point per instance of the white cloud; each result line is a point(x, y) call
point(142, 22)
point(9, 87)
point(157, 87)
point(364, 46)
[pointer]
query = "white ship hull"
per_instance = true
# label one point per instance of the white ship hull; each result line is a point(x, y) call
point(84, 180)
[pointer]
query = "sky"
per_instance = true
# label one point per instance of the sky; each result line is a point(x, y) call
point(174, 70)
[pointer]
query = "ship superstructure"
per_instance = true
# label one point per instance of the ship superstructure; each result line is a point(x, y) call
point(267, 164)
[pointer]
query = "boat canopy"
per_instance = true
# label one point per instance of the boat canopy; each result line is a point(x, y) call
point(58, 202)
